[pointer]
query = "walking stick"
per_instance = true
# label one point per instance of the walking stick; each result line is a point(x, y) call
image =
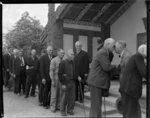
point(104, 107)
point(82, 94)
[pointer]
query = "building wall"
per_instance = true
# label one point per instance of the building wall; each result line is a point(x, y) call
point(129, 24)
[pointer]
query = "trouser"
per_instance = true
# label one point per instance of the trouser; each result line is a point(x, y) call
point(55, 95)
point(22, 80)
point(41, 93)
point(16, 84)
point(6, 78)
point(96, 102)
point(79, 94)
point(131, 107)
point(47, 93)
point(39, 80)
point(30, 80)
point(68, 97)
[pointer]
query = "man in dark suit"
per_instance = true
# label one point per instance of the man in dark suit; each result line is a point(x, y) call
point(31, 74)
point(67, 77)
point(99, 76)
point(131, 83)
point(39, 79)
point(44, 71)
point(16, 71)
point(81, 58)
point(22, 79)
point(7, 57)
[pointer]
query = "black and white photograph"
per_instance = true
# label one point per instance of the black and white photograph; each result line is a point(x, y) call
point(74, 60)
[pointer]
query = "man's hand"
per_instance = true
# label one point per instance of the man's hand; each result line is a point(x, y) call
point(79, 78)
point(14, 75)
point(44, 81)
point(7, 70)
point(53, 84)
point(85, 75)
point(64, 87)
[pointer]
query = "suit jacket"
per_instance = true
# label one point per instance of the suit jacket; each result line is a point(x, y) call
point(99, 75)
point(31, 63)
point(6, 61)
point(124, 59)
point(131, 81)
point(44, 66)
point(16, 65)
point(81, 61)
point(66, 72)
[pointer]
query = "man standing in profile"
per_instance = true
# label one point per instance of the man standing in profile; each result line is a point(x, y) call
point(82, 68)
point(99, 76)
point(31, 74)
point(131, 83)
point(120, 48)
point(46, 80)
point(55, 87)
point(66, 75)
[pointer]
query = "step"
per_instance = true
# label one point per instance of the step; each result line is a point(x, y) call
point(110, 101)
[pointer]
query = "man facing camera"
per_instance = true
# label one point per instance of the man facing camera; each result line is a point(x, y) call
point(55, 87)
point(131, 83)
point(66, 75)
point(81, 58)
point(99, 76)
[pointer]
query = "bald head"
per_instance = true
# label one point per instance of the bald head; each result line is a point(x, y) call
point(109, 44)
point(78, 46)
point(33, 52)
point(70, 54)
point(49, 50)
point(143, 50)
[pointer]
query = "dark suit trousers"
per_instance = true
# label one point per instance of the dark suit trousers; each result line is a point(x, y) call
point(131, 107)
point(96, 102)
point(7, 76)
point(16, 84)
point(31, 80)
point(47, 93)
point(22, 79)
point(68, 97)
point(41, 93)
point(79, 94)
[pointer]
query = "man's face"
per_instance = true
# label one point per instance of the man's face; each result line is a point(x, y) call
point(118, 48)
point(71, 55)
point(49, 51)
point(112, 46)
point(33, 53)
point(78, 48)
point(61, 54)
point(20, 53)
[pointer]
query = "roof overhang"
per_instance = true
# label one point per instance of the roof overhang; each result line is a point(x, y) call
point(92, 14)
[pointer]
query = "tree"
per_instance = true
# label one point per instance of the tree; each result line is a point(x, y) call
point(26, 33)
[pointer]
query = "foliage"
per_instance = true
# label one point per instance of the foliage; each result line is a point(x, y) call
point(26, 33)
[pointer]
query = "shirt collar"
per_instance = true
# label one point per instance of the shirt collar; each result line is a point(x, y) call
point(122, 53)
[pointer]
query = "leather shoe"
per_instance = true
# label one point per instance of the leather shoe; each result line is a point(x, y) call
point(71, 113)
point(63, 114)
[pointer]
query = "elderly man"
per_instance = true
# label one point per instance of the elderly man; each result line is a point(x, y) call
point(99, 76)
point(120, 48)
point(131, 83)
point(66, 75)
point(44, 71)
point(15, 72)
point(31, 74)
point(55, 87)
point(81, 58)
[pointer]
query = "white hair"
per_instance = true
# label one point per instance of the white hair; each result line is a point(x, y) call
point(108, 41)
point(70, 51)
point(78, 43)
point(15, 50)
point(142, 49)
point(49, 47)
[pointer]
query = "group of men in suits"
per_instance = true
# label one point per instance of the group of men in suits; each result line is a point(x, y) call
point(60, 81)
point(132, 70)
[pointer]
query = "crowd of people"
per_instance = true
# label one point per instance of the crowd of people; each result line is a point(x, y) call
point(61, 80)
